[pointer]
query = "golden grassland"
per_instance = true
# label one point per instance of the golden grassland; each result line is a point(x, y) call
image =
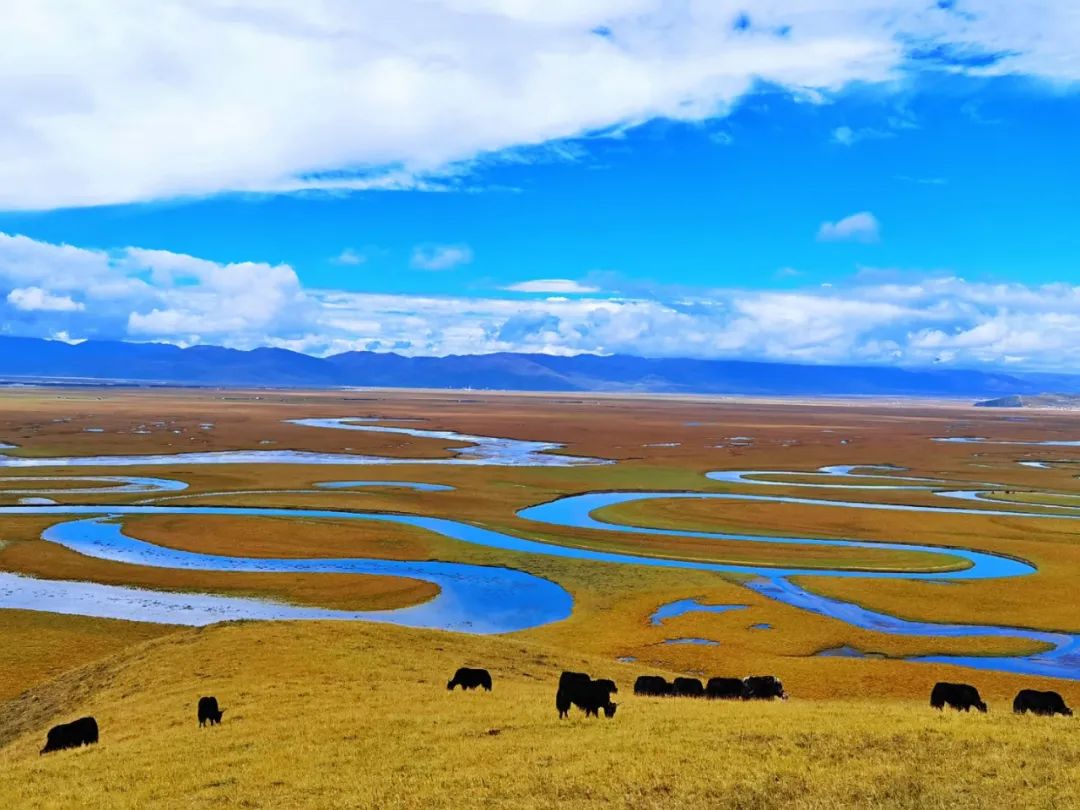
point(783, 520)
point(285, 538)
point(368, 722)
point(347, 714)
point(38, 647)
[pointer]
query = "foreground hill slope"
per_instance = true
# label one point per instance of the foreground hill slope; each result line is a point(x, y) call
point(335, 715)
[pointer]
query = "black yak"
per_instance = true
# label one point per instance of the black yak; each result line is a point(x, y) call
point(959, 696)
point(608, 684)
point(724, 689)
point(652, 686)
point(687, 687)
point(209, 711)
point(568, 683)
point(1044, 703)
point(83, 731)
point(589, 696)
point(763, 687)
point(469, 678)
point(568, 678)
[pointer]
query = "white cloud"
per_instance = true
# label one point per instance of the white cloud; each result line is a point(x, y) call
point(860, 227)
point(117, 101)
point(876, 318)
point(141, 293)
point(557, 286)
point(35, 299)
point(440, 257)
point(350, 257)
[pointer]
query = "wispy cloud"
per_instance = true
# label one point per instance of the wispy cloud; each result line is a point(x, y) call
point(847, 136)
point(350, 257)
point(860, 227)
point(553, 286)
point(440, 257)
point(923, 181)
point(896, 317)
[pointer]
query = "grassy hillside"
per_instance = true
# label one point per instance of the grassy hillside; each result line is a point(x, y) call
point(344, 715)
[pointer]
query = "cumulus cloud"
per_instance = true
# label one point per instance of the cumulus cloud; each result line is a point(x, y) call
point(35, 299)
point(553, 286)
point(860, 227)
point(440, 257)
point(876, 318)
point(119, 101)
point(141, 294)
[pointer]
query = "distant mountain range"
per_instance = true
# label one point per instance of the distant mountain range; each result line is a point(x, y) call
point(115, 362)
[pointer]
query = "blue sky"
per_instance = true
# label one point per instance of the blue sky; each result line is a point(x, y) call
point(792, 184)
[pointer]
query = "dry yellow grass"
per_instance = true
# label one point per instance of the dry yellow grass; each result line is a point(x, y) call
point(283, 538)
point(367, 722)
point(771, 519)
point(38, 647)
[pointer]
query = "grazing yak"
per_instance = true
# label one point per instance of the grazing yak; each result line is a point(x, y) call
point(209, 711)
point(652, 686)
point(83, 731)
point(687, 687)
point(763, 687)
point(1044, 703)
point(568, 684)
point(608, 684)
point(724, 689)
point(469, 678)
point(578, 689)
point(568, 678)
point(959, 696)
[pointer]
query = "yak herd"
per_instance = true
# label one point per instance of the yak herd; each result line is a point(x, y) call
point(754, 687)
point(963, 697)
point(594, 695)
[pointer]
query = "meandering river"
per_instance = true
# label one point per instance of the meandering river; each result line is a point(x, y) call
point(488, 599)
